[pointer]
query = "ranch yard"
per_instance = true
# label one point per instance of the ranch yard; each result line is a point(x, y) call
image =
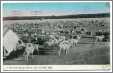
point(85, 52)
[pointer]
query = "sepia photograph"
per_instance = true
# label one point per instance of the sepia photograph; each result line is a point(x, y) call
point(56, 36)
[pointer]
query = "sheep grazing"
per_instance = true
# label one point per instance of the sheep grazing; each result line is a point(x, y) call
point(36, 47)
point(99, 38)
point(64, 45)
point(55, 39)
point(30, 49)
point(61, 38)
point(75, 41)
point(51, 42)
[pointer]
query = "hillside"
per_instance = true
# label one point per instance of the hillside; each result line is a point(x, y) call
point(58, 17)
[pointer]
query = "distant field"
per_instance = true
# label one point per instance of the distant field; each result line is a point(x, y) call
point(85, 22)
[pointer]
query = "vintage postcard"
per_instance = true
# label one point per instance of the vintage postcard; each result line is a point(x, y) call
point(56, 36)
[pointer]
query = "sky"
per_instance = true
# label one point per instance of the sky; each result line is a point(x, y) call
point(54, 8)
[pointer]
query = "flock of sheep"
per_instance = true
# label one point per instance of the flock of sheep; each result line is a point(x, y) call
point(62, 42)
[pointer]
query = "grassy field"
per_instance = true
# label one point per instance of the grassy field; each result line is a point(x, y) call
point(82, 54)
point(86, 52)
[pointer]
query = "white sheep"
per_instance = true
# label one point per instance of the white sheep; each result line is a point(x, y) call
point(75, 41)
point(99, 38)
point(65, 46)
point(30, 49)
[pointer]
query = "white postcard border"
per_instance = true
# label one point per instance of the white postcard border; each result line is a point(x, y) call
point(56, 68)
